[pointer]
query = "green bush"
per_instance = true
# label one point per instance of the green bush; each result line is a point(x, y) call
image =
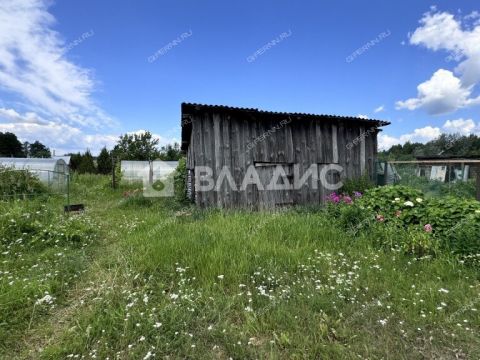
point(395, 202)
point(448, 212)
point(361, 184)
point(180, 182)
point(18, 183)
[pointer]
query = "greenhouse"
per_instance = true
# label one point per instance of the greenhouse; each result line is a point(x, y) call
point(146, 172)
point(52, 172)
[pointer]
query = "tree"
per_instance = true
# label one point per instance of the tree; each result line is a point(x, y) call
point(86, 164)
point(104, 162)
point(136, 147)
point(38, 150)
point(10, 146)
point(75, 160)
point(170, 152)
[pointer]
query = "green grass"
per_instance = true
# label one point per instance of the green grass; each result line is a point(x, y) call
point(184, 283)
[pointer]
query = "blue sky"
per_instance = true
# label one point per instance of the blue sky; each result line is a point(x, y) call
point(76, 74)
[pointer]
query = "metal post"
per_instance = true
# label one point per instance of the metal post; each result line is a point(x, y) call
point(68, 193)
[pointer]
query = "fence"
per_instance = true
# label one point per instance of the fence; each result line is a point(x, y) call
point(23, 184)
point(460, 177)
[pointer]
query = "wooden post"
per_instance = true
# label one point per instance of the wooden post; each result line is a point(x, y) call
point(477, 174)
point(385, 174)
point(114, 180)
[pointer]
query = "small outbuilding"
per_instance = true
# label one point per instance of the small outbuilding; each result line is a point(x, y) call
point(249, 158)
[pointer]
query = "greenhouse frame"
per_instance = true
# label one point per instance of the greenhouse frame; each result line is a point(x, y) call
point(52, 172)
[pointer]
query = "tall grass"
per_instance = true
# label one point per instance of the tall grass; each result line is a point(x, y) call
point(170, 282)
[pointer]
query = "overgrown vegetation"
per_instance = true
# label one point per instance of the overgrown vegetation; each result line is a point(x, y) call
point(169, 282)
point(42, 254)
point(19, 183)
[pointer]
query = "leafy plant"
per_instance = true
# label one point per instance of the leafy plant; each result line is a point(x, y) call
point(18, 183)
point(360, 185)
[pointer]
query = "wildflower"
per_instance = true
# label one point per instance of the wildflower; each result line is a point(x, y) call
point(347, 199)
point(47, 299)
point(428, 228)
point(419, 200)
point(148, 356)
point(398, 213)
point(397, 199)
point(357, 194)
point(443, 290)
point(477, 211)
point(380, 218)
point(220, 277)
point(157, 325)
point(408, 203)
point(383, 322)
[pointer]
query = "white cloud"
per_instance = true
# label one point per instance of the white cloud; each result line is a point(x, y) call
point(379, 109)
point(362, 116)
point(446, 92)
point(29, 117)
point(428, 133)
point(443, 93)
point(461, 126)
point(33, 65)
point(63, 138)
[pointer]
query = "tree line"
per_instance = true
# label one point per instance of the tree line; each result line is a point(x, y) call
point(444, 146)
point(128, 147)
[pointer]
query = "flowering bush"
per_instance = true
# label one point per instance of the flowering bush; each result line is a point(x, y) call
point(450, 223)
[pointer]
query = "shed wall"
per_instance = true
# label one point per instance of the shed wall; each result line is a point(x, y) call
point(238, 141)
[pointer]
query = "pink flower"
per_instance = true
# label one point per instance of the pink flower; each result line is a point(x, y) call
point(357, 194)
point(347, 199)
point(380, 218)
point(398, 213)
point(428, 228)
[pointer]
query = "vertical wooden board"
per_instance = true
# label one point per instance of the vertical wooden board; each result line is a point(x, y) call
point(342, 145)
point(218, 156)
point(253, 155)
point(327, 142)
point(335, 159)
point(314, 194)
point(209, 148)
point(289, 146)
point(272, 140)
point(281, 141)
point(227, 160)
point(200, 158)
point(248, 199)
point(362, 151)
point(318, 141)
point(304, 160)
point(237, 175)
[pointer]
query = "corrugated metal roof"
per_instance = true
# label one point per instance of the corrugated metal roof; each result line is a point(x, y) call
point(198, 107)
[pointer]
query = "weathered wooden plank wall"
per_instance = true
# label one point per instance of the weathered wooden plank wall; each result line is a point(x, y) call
point(238, 141)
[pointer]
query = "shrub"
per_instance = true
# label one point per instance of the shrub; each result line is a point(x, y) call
point(447, 213)
point(361, 184)
point(16, 183)
point(180, 182)
point(395, 202)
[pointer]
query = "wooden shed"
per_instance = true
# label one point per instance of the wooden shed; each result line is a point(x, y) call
point(231, 150)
